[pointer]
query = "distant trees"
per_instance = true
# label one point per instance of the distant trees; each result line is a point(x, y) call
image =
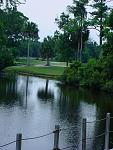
point(75, 40)
point(22, 49)
point(14, 30)
point(6, 57)
point(91, 50)
point(74, 29)
point(47, 49)
point(63, 48)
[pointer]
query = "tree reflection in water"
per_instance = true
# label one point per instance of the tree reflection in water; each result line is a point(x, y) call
point(63, 105)
point(10, 95)
point(45, 93)
point(26, 97)
point(75, 104)
point(8, 88)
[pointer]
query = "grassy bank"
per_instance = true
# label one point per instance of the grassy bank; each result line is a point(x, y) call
point(43, 71)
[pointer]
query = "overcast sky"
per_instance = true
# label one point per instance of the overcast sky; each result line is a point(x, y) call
point(44, 12)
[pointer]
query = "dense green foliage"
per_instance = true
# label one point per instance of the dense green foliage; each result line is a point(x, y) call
point(93, 66)
point(47, 49)
point(6, 57)
point(97, 73)
point(22, 49)
point(71, 41)
point(15, 29)
point(74, 33)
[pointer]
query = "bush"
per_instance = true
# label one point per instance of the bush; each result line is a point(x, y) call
point(71, 75)
point(87, 75)
point(108, 86)
point(97, 74)
point(6, 58)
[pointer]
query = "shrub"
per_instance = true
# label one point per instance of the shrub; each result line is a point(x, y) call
point(96, 74)
point(108, 86)
point(70, 75)
point(6, 58)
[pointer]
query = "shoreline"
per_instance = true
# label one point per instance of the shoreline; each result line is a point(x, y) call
point(26, 70)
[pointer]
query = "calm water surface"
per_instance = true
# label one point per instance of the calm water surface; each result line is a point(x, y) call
point(32, 106)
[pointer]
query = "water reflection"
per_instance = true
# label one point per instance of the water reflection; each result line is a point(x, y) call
point(27, 82)
point(8, 90)
point(36, 105)
point(78, 104)
point(45, 93)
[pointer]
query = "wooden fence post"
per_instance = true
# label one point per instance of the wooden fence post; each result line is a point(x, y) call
point(107, 131)
point(18, 141)
point(84, 134)
point(56, 137)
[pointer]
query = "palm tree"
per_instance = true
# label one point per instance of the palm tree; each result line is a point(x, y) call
point(31, 34)
point(47, 49)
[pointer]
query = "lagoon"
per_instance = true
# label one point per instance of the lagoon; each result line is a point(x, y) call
point(33, 106)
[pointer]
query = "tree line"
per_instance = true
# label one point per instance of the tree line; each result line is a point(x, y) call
point(91, 64)
point(16, 31)
point(71, 41)
point(97, 73)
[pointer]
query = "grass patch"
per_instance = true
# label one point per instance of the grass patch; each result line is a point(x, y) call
point(38, 62)
point(52, 71)
point(31, 61)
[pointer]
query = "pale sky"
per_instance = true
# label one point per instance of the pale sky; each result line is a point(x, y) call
point(44, 12)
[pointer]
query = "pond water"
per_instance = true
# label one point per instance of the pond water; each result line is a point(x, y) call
point(33, 106)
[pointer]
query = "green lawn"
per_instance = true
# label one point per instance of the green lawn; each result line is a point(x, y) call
point(52, 71)
point(32, 61)
point(39, 62)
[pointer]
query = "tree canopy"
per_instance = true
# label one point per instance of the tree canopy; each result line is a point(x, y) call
point(14, 28)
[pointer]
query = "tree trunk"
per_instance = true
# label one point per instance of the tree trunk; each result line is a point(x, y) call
point(48, 62)
point(28, 48)
point(81, 42)
point(67, 63)
point(78, 51)
point(75, 55)
point(101, 28)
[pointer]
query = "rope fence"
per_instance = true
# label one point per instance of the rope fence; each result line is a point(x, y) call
point(57, 131)
point(7, 144)
point(37, 137)
point(26, 139)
